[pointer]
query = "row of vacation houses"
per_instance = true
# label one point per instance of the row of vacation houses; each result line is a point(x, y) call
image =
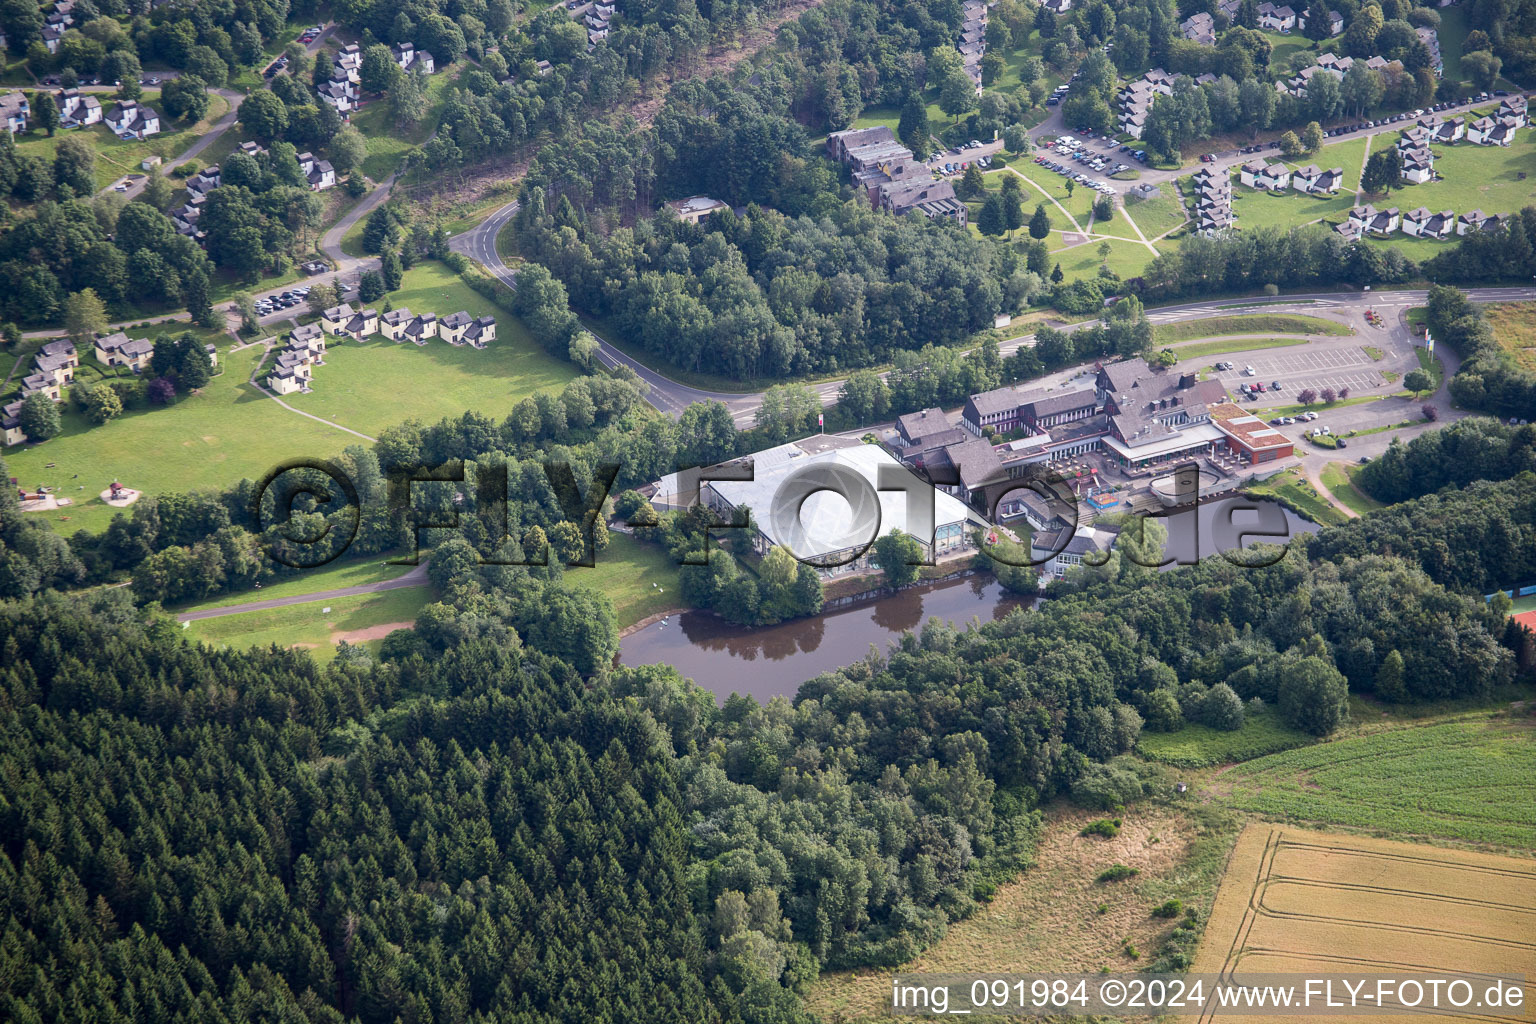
point(344, 90)
point(55, 363)
point(306, 345)
point(128, 119)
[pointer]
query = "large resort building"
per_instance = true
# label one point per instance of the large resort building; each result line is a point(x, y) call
point(824, 529)
point(891, 176)
point(1135, 419)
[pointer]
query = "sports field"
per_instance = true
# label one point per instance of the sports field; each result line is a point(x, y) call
point(1313, 902)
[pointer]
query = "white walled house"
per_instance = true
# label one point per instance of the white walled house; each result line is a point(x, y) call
point(130, 119)
point(17, 110)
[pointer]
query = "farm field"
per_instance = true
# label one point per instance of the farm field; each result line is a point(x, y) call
point(1467, 780)
point(1295, 901)
point(1514, 327)
point(374, 384)
point(213, 439)
point(1258, 323)
point(361, 619)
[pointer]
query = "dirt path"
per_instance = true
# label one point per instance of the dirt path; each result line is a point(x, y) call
point(416, 577)
point(1314, 473)
point(1076, 227)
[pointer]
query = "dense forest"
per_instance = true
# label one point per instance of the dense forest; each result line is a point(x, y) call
point(487, 822)
point(765, 295)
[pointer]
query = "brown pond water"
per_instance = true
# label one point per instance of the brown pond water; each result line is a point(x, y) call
point(773, 661)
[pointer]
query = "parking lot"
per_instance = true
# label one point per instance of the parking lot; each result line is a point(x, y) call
point(1315, 368)
point(1073, 158)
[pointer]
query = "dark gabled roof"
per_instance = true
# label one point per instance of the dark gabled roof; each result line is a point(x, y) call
point(1047, 404)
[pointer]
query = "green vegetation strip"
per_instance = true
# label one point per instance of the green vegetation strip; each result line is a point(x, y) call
point(1466, 780)
point(1200, 746)
point(1220, 326)
point(1293, 491)
point(1194, 350)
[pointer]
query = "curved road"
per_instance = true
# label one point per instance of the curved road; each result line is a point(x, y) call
point(672, 397)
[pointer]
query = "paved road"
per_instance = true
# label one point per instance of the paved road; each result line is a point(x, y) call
point(672, 397)
point(666, 394)
point(417, 577)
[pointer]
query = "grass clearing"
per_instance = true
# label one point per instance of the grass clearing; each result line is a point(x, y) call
point(626, 572)
point(387, 145)
point(1200, 746)
point(360, 619)
point(1259, 323)
point(212, 439)
point(1219, 348)
point(1049, 918)
point(1514, 327)
point(1295, 901)
point(1339, 478)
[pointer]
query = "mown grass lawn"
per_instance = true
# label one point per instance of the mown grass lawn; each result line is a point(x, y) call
point(1297, 493)
point(344, 572)
point(210, 440)
point(1197, 350)
point(1041, 184)
point(1494, 179)
point(1125, 258)
point(1157, 216)
point(1339, 478)
point(626, 571)
point(1259, 209)
point(311, 627)
point(374, 384)
point(116, 157)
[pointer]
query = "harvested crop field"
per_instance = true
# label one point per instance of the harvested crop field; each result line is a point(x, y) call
point(1313, 902)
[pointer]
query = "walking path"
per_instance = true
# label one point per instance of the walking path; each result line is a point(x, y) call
point(417, 577)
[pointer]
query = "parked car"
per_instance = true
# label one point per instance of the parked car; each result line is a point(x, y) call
point(1275, 385)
